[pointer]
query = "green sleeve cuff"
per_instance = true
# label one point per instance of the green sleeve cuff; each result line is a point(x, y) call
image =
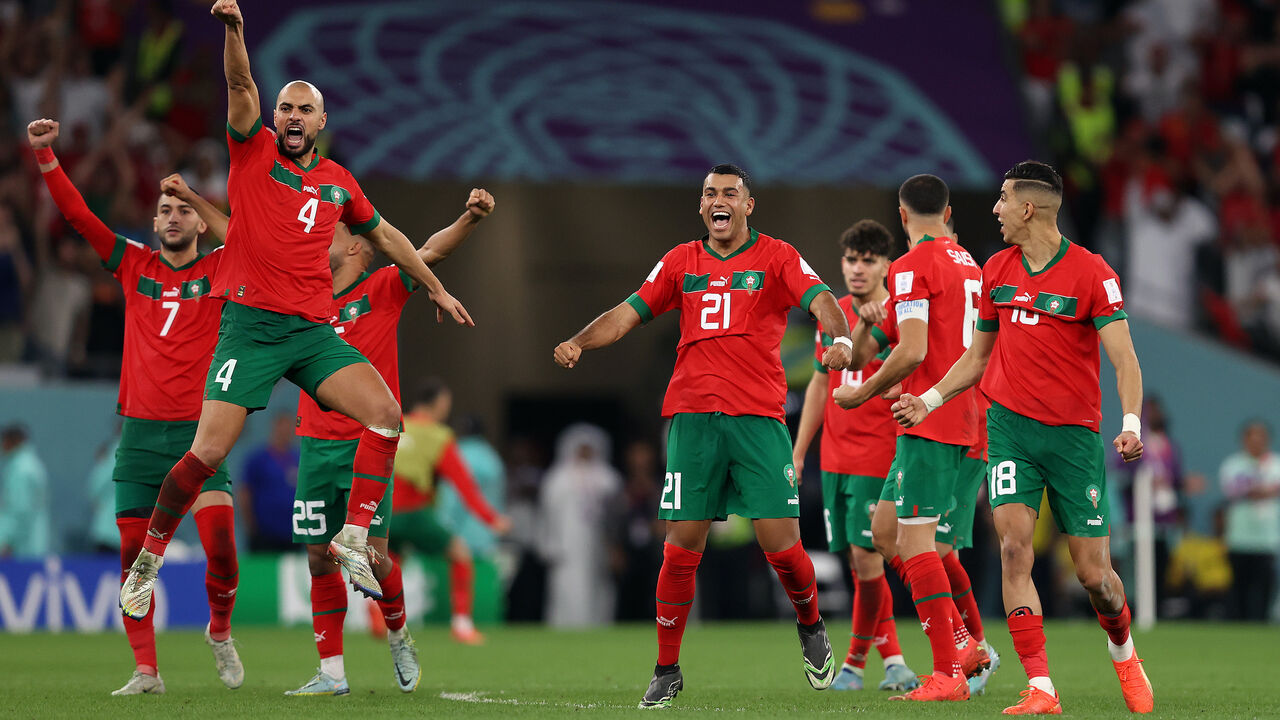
point(117, 255)
point(365, 227)
point(235, 135)
point(641, 307)
point(812, 293)
point(1101, 322)
point(986, 325)
point(819, 367)
point(881, 338)
point(409, 284)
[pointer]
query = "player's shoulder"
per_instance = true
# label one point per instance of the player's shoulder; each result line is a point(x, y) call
point(1001, 261)
point(1081, 258)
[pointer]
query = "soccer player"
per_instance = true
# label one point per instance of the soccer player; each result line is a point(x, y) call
point(170, 330)
point(857, 449)
point(727, 449)
point(275, 322)
point(933, 291)
point(430, 451)
point(1046, 304)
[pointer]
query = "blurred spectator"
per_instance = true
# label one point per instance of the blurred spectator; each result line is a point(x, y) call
point(1044, 39)
point(59, 310)
point(1250, 483)
point(24, 500)
point(15, 284)
point(1165, 227)
point(576, 495)
point(1200, 574)
point(639, 533)
point(207, 172)
point(490, 477)
point(527, 588)
point(103, 535)
point(154, 59)
point(266, 488)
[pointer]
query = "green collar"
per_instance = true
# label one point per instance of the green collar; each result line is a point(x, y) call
point(315, 160)
point(928, 238)
point(363, 276)
point(184, 267)
point(755, 235)
point(1062, 250)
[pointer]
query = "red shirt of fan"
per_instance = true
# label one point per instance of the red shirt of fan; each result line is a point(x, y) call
point(366, 315)
point(858, 441)
point(733, 312)
point(170, 330)
point(939, 281)
point(1045, 361)
point(282, 221)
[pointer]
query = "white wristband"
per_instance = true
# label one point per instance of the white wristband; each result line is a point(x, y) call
point(932, 399)
point(845, 341)
point(1131, 423)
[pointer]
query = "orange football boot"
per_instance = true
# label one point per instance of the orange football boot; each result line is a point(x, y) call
point(973, 659)
point(1035, 702)
point(938, 687)
point(1134, 684)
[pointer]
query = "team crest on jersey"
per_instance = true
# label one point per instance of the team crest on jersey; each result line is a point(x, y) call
point(1054, 304)
point(1094, 494)
point(790, 473)
point(749, 280)
point(337, 196)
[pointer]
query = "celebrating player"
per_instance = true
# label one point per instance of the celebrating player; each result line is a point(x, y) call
point(170, 330)
point(1046, 303)
point(934, 296)
point(857, 449)
point(727, 450)
point(287, 201)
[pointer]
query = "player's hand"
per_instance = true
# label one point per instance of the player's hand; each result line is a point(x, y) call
point(892, 393)
point(567, 354)
point(837, 357)
point(480, 203)
point(847, 397)
point(228, 11)
point(448, 304)
point(1128, 445)
point(501, 525)
point(872, 312)
point(797, 461)
point(909, 410)
point(41, 133)
point(175, 186)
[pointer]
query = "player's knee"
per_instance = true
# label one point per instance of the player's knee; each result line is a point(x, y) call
point(1016, 554)
point(885, 542)
point(1093, 579)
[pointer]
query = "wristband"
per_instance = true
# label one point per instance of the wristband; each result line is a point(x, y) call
point(843, 340)
point(1131, 423)
point(45, 155)
point(932, 399)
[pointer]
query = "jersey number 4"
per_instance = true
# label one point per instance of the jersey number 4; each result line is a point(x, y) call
point(308, 214)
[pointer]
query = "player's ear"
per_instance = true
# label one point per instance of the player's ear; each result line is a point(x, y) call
point(324, 117)
point(946, 214)
point(751, 204)
point(155, 223)
point(902, 215)
point(202, 227)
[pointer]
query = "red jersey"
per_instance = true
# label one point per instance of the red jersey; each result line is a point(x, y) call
point(170, 319)
point(366, 316)
point(939, 282)
point(733, 312)
point(858, 441)
point(282, 221)
point(1045, 361)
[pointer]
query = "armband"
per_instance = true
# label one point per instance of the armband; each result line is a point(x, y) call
point(932, 399)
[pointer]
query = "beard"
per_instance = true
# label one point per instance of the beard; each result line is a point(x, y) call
point(307, 145)
point(182, 242)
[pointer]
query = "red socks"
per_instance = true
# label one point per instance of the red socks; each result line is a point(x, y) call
point(932, 595)
point(216, 524)
point(177, 493)
point(1028, 641)
point(392, 602)
point(461, 585)
point(886, 628)
point(867, 604)
point(375, 457)
point(141, 633)
point(328, 611)
point(795, 571)
point(674, 598)
point(1117, 626)
point(962, 593)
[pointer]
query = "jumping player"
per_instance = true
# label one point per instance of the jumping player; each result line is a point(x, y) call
point(170, 329)
point(275, 323)
point(727, 449)
point(1046, 304)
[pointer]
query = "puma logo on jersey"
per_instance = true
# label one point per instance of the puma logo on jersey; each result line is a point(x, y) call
point(721, 282)
point(171, 293)
point(1024, 297)
point(308, 188)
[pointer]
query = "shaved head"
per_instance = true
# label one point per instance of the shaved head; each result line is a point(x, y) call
point(319, 97)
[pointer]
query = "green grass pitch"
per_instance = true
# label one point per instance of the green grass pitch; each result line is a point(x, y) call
point(747, 670)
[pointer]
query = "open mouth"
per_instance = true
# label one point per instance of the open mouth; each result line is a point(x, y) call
point(293, 136)
point(719, 220)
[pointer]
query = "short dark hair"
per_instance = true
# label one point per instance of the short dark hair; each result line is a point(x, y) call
point(924, 195)
point(15, 433)
point(867, 237)
point(429, 390)
point(1032, 174)
point(731, 169)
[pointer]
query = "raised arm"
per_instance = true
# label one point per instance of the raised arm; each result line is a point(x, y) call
point(1118, 345)
point(385, 237)
point(913, 343)
point(243, 107)
point(604, 330)
point(865, 346)
point(41, 134)
point(967, 370)
point(175, 186)
point(827, 310)
point(441, 244)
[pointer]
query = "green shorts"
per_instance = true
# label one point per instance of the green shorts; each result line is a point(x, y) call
point(848, 503)
point(422, 531)
point(1027, 457)
point(720, 464)
point(148, 450)
point(925, 473)
point(956, 526)
point(258, 347)
point(324, 481)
